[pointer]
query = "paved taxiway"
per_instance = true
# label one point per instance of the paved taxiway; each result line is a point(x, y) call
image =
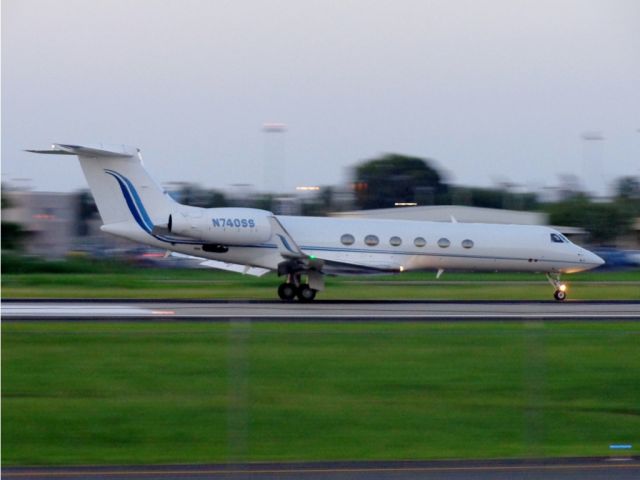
point(588, 469)
point(319, 310)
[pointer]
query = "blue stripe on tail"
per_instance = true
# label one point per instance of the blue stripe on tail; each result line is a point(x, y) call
point(140, 215)
point(130, 202)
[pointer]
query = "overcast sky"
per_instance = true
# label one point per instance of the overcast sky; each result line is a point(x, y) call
point(492, 90)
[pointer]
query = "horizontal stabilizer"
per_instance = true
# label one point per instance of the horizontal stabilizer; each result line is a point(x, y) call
point(117, 151)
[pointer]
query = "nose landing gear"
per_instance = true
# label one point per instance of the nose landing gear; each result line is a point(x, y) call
point(561, 289)
point(559, 295)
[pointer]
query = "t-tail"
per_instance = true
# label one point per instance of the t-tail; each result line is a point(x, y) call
point(121, 186)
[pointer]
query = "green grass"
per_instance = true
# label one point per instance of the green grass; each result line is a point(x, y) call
point(195, 283)
point(119, 393)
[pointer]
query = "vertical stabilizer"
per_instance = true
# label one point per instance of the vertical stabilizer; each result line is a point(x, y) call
point(122, 188)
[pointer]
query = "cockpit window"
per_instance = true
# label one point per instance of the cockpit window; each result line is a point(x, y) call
point(557, 238)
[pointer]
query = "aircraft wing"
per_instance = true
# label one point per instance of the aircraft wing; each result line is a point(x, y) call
point(235, 267)
point(332, 267)
point(229, 267)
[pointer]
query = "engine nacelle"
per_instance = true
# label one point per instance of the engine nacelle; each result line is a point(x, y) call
point(223, 226)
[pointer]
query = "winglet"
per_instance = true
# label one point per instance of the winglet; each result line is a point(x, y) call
point(287, 246)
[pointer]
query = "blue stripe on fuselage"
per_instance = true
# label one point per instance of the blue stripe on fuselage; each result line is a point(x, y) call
point(285, 243)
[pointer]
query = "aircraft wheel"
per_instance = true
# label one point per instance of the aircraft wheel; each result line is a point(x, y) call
point(287, 292)
point(559, 295)
point(306, 293)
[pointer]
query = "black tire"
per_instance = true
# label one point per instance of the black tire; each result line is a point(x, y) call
point(559, 295)
point(305, 293)
point(287, 292)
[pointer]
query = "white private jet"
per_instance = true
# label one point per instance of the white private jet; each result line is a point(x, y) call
point(305, 249)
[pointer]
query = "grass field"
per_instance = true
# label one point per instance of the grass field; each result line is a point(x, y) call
point(107, 393)
point(196, 283)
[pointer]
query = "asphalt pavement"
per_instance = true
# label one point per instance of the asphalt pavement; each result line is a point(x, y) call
point(101, 310)
point(624, 468)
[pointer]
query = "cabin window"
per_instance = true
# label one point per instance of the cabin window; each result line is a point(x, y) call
point(395, 241)
point(467, 243)
point(444, 242)
point(419, 242)
point(556, 238)
point(347, 239)
point(371, 240)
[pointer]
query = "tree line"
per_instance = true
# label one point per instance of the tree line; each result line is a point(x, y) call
point(388, 180)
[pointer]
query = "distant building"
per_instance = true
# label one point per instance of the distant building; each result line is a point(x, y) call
point(47, 218)
point(286, 205)
point(632, 239)
point(443, 213)
point(52, 223)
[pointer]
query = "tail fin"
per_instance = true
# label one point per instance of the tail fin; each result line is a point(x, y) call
point(121, 187)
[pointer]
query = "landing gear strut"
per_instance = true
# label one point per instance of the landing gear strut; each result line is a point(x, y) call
point(561, 289)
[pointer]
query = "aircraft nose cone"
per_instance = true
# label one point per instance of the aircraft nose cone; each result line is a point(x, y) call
point(593, 259)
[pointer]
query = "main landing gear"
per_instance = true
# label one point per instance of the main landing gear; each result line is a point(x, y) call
point(561, 289)
point(293, 288)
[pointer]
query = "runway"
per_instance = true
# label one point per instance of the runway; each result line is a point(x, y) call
point(196, 310)
point(571, 468)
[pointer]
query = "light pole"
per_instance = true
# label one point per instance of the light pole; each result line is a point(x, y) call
point(274, 162)
point(593, 176)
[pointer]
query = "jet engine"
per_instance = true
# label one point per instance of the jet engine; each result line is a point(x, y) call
point(222, 226)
